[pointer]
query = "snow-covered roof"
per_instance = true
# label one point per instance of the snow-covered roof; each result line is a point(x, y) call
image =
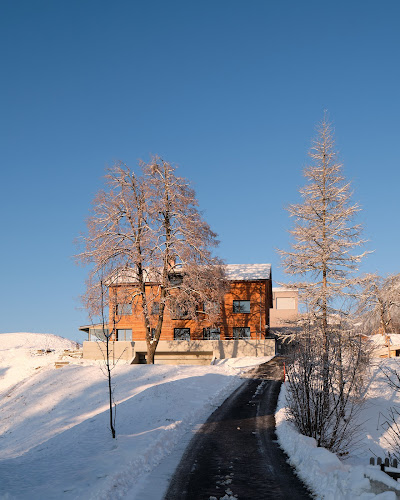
point(248, 272)
point(234, 272)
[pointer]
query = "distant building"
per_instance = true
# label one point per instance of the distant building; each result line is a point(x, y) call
point(285, 307)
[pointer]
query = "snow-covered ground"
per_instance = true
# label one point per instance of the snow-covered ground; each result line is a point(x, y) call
point(331, 478)
point(54, 436)
point(55, 441)
point(379, 340)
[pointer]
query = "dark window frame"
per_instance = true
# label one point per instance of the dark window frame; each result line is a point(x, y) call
point(237, 306)
point(155, 308)
point(175, 279)
point(208, 306)
point(178, 313)
point(241, 336)
point(187, 332)
point(123, 305)
point(211, 334)
point(124, 330)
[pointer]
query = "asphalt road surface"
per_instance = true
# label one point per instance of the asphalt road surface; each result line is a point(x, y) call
point(235, 453)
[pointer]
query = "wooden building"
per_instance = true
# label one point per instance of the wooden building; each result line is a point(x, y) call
point(245, 311)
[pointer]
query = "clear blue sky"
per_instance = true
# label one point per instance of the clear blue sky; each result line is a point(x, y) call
point(228, 90)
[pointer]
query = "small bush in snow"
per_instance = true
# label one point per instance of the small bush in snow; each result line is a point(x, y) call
point(324, 389)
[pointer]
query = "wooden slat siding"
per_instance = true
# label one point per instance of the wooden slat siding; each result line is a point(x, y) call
point(239, 290)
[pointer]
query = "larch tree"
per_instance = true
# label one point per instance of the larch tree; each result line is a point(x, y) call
point(325, 234)
point(147, 232)
point(324, 377)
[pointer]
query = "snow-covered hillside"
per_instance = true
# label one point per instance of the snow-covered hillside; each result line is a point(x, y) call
point(55, 442)
point(54, 437)
point(19, 357)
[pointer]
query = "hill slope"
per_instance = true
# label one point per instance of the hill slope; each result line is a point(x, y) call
point(54, 423)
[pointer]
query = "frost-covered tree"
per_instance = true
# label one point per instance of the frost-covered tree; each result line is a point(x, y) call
point(325, 235)
point(146, 229)
point(324, 377)
point(379, 303)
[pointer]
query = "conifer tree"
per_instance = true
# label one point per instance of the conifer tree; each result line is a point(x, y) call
point(323, 254)
point(324, 379)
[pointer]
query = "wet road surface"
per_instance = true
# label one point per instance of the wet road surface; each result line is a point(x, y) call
point(235, 453)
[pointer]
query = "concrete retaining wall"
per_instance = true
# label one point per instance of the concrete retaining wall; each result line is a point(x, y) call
point(119, 350)
point(182, 351)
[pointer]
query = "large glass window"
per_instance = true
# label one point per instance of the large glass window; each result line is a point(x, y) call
point(181, 333)
point(241, 332)
point(124, 309)
point(124, 334)
point(241, 306)
point(211, 334)
point(96, 334)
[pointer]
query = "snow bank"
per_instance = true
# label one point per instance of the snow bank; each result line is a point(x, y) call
point(54, 434)
point(322, 471)
point(238, 365)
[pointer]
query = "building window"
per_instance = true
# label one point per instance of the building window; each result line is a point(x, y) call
point(124, 334)
point(241, 306)
point(181, 333)
point(211, 307)
point(175, 279)
point(211, 334)
point(241, 332)
point(124, 309)
point(96, 334)
point(155, 308)
point(285, 303)
point(179, 312)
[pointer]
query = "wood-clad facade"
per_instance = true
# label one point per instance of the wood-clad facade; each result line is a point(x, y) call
point(244, 312)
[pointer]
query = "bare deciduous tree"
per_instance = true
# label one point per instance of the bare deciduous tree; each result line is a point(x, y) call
point(96, 301)
point(379, 304)
point(331, 422)
point(148, 232)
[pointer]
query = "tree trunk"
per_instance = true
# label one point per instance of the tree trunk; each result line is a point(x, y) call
point(151, 350)
point(111, 410)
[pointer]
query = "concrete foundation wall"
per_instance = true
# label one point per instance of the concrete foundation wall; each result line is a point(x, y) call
point(183, 351)
point(118, 350)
